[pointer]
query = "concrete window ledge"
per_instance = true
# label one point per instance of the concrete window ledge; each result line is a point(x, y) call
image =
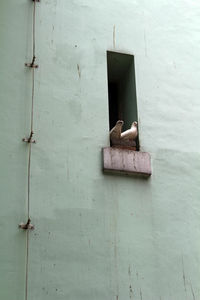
point(127, 161)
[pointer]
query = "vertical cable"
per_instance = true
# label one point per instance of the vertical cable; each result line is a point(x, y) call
point(29, 151)
point(30, 144)
point(33, 78)
point(34, 28)
point(27, 257)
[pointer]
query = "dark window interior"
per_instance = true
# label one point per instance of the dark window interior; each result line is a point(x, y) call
point(122, 90)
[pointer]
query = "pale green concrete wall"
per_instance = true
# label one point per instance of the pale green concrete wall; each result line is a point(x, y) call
point(100, 236)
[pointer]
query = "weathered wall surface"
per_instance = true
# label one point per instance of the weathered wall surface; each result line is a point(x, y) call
point(100, 236)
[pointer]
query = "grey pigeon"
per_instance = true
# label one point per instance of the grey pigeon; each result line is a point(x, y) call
point(115, 133)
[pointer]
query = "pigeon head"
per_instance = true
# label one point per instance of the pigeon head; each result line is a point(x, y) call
point(120, 122)
point(134, 124)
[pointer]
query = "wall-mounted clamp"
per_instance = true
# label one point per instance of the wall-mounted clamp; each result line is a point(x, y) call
point(32, 64)
point(26, 226)
point(29, 139)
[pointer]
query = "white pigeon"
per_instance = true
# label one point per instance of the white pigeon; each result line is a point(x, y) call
point(115, 133)
point(130, 134)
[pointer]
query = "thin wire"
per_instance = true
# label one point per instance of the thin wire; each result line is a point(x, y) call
point(32, 113)
point(34, 28)
point(29, 177)
point(33, 79)
point(29, 156)
point(27, 258)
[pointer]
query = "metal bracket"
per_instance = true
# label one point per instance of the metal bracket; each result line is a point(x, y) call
point(32, 64)
point(36, 0)
point(29, 140)
point(26, 226)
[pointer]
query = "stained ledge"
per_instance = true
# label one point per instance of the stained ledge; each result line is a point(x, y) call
point(122, 160)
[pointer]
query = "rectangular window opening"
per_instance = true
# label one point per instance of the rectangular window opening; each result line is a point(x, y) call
point(122, 90)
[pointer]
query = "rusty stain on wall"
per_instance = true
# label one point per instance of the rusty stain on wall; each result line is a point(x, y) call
point(184, 279)
point(140, 294)
point(114, 36)
point(130, 292)
point(79, 71)
point(129, 271)
point(145, 43)
point(193, 295)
